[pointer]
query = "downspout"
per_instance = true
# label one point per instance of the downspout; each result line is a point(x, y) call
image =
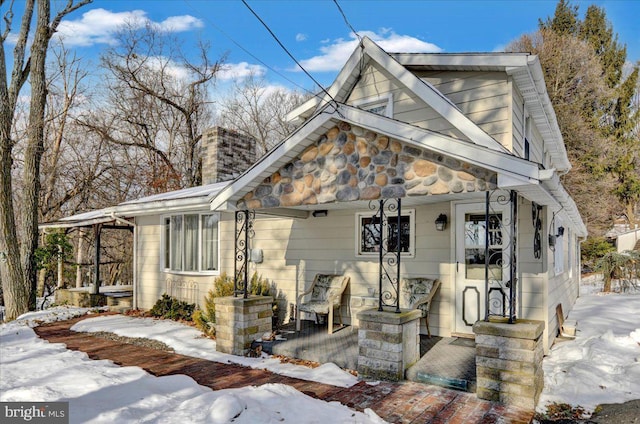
point(135, 256)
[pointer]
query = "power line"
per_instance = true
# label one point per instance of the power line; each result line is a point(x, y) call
point(249, 53)
point(346, 21)
point(288, 52)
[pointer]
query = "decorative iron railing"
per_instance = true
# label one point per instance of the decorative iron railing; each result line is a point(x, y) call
point(187, 291)
point(386, 230)
point(501, 282)
point(243, 233)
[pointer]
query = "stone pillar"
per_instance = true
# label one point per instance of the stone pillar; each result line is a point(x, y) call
point(240, 321)
point(509, 362)
point(388, 343)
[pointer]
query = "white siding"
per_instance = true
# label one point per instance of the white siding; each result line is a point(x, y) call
point(484, 97)
point(296, 250)
point(151, 278)
point(562, 288)
point(518, 123)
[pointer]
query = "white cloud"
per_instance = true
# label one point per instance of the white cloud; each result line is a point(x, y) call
point(335, 54)
point(301, 37)
point(98, 26)
point(180, 23)
point(231, 71)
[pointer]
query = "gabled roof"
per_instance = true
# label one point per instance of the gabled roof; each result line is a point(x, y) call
point(369, 51)
point(523, 67)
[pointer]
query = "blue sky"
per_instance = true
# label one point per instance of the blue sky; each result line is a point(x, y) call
point(317, 35)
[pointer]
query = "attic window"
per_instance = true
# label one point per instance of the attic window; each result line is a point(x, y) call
point(381, 105)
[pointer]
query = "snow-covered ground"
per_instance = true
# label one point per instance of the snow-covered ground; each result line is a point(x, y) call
point(602, 364)
point(188, 341)
point(32, 369)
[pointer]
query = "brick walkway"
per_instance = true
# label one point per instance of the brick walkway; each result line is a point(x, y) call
point(404, 402)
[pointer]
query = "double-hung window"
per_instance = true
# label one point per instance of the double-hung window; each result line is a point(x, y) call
point(370, 231)
point(191, 243)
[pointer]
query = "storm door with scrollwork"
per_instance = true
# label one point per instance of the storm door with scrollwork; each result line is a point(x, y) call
point(478, 262)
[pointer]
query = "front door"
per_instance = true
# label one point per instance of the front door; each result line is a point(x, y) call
point(470, 262)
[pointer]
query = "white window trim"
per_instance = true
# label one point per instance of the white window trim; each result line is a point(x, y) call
point(163, 267)
point(375, 101)
point(412, 233)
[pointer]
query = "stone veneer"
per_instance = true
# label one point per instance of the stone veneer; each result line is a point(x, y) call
point(388, 343)
point(240, 321)
point(350, 163)
point(509, 362)
point(225, 154)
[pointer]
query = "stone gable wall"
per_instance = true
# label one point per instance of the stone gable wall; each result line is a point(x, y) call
point(350, 163)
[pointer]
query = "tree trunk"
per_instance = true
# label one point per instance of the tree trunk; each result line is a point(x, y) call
point(35, 148)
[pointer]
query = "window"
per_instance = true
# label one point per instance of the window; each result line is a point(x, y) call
point(475, 244)
point(558, 252)
point(527, 137)
point(370, 231)
point(191, 243)
point(381, 105)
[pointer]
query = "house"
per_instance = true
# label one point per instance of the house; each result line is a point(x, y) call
point(396, 143)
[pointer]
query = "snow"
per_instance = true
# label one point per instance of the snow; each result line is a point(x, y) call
point(602, 364)
point(32, 369)
point(188, 341)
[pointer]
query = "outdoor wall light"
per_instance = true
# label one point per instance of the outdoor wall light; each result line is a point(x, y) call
point(441, 222)
point(320, 213)
point(560, 231)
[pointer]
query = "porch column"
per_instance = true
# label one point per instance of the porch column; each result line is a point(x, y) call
point(97, 228)
point(240, 321)
point(388, 343)
point(509, 362)
point(243, 234)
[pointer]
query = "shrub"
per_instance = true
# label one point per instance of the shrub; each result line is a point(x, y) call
point(171, 308)
point(223, 285)
point(619, 266)
point(593, 249)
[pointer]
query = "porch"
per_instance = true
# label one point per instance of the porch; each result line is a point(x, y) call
point(444, 361)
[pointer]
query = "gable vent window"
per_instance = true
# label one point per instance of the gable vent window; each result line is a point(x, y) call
point(381, 105)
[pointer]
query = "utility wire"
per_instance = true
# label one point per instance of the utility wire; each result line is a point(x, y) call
point(346, 21)
point(289, 53)
point(247, 51)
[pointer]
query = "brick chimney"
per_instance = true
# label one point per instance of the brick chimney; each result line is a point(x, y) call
point(225, 154)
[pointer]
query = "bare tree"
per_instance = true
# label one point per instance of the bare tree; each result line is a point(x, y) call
point(257, 109)
point(17, 267)
point(157, 103)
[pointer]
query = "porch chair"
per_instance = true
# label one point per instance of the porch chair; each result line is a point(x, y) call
point(417, 293)
point(326, 294)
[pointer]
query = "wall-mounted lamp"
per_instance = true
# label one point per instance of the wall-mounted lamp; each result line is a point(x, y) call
point(560, 231)
point(441, 222)
point(320, 213)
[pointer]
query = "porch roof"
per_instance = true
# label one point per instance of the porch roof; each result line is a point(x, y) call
point(541, 186)
point(193, 198)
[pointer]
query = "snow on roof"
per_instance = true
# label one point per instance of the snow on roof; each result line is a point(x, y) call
point(188, 198)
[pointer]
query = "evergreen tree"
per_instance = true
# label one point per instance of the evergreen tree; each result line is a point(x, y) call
point(565, 19)
point(598, 32)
